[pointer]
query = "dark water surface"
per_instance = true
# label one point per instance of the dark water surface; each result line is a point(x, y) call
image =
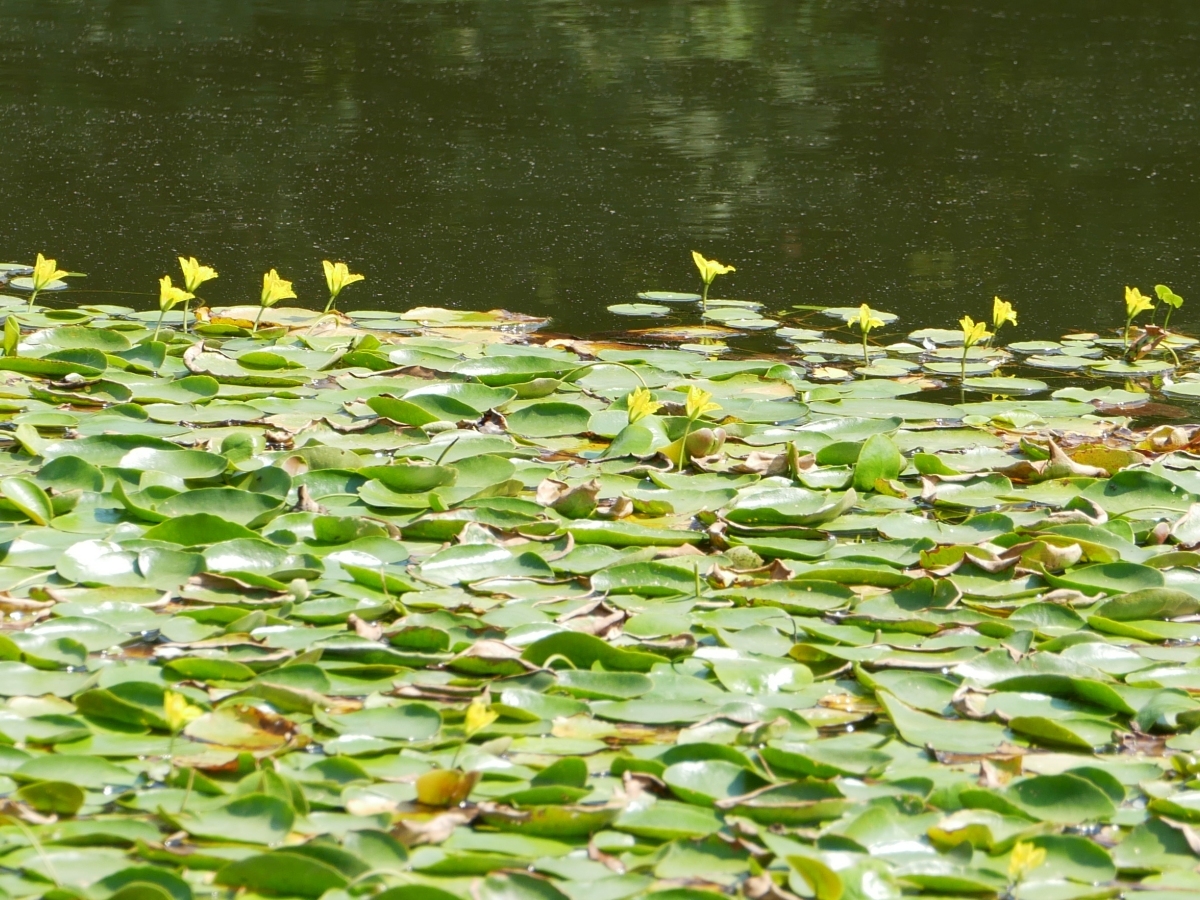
point(557, 156)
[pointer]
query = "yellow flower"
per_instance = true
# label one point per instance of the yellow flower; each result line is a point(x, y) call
point(1024, 859)
point(1136, 302)
point(179, 711)
point(479, 715)
point(699, 402)
point(337, 276)
point(45, 272)
point(195, 274)
point(169, 295)
point(641, 403)
point(710, 268)
point(973, 332)
point(275, 289)
point(1002, 311)
point(866, 319)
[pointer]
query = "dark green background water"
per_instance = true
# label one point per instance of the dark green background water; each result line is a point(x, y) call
point(556, 156)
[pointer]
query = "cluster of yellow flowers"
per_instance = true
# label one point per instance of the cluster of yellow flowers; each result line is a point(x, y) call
point(337, 276)
point(1137, 303)
point(274, 289)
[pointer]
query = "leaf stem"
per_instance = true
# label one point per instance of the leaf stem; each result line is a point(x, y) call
point(605, 362)
point(683, 451)
point(188, 792)
point(442, 455)
point(37, 845)
point(171, 756)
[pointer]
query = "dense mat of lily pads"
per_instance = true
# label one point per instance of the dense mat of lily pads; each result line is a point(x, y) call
point(418, 606)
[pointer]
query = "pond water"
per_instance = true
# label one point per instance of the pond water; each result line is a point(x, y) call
point(555, 157)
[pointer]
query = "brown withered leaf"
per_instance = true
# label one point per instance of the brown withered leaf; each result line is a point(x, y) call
point(1189, 833)
point(970, 703)
point(595, 854)
point(1059, 465)
point(491, 422)
point(598, 625)
point(997, 771)
point(759, 463)
point(763, 887)
point(615, 508)
point(574, 502)
point(676, 552)
point(25, 814)
point(372, 631)
point(1078, 516)
point(490, 657)
point(1168, 438)
point(414, 830)
point(305, 502)
point(1051, 557)
point(778, 571)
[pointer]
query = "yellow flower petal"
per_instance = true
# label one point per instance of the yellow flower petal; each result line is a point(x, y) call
point(1136, 302)
point(46, 272)
point(867, 319)
point(699, 402)
point(169, 295)
point(641, 403)
point(710, 268)
point(338, 276)
point(1002, 312)
point(275, 289)
point(479, 716)
point(195, 274)
point(973, 332)
point(1024, 859)
point(178, 711)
